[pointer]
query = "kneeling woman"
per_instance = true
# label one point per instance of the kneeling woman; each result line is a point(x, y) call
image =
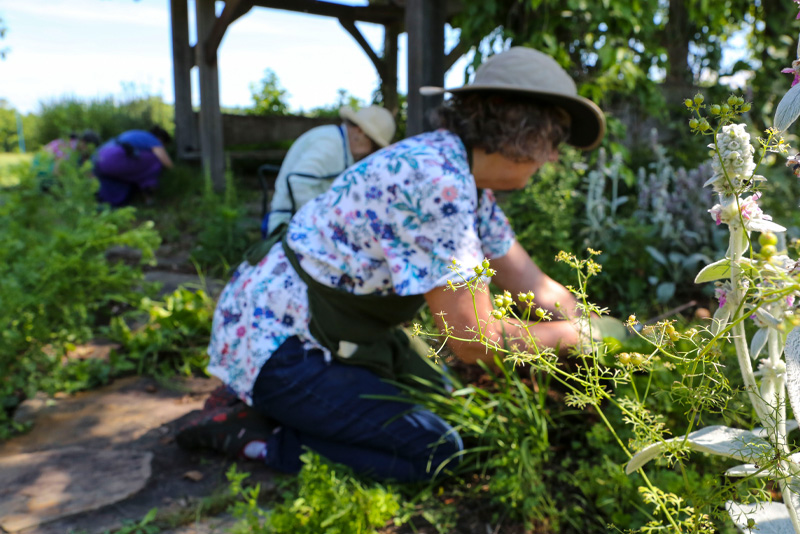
point(305, 335)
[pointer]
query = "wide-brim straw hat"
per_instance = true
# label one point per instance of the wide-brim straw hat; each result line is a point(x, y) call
point(527, 71)
point(376, 122)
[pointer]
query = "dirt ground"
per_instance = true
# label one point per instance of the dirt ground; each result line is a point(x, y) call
point(98, 459)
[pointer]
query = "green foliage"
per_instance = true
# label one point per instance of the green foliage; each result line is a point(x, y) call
point(9, 129)
point(11, 166)
point(505, 431)
point(269, 98)
point(143, 526)
point(619, 47)
point(227, 230)
point(107, 116)
point(179, 326)
point(328, 499)
point(331, 111)
point(57, 283)
point(559, 465)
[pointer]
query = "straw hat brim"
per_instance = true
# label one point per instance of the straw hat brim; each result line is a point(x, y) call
point(347, 113)
point(588, 121)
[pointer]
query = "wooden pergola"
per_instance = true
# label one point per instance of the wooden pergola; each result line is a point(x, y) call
point(423, 20)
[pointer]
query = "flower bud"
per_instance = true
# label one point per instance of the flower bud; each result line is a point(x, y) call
point(698, 99)
point(732, 100)
point(715, 109)
point(739, 101)
point(624, 358)
point(767, 238)
point(637, 359)
point(497, 314)
point(485, 263)
point(693, 124)
point(688, 103)
point(704, 125)
point(478, 269)
point(767, 251)
point(725, 108)
point(745, 107)
point(673, 334)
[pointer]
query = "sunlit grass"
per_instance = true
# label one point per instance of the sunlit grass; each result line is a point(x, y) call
point(8, 161)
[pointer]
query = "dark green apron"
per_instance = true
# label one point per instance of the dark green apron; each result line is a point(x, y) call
point(366, 323)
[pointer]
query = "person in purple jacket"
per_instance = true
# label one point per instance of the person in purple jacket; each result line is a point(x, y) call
point(129, 163)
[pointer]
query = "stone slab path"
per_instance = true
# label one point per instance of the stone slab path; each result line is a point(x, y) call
point(98, 459)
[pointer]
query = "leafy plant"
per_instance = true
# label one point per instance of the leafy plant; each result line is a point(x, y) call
point(505, 429)
point(269, 98)
point(174, 337)
point(143, 526)
point(669, 223)
point(107, 116)
point(226, 232)
point(328, 499)
point(58, 285)
point(761, 286)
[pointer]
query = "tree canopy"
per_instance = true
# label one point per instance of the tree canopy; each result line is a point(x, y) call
point(653, 49)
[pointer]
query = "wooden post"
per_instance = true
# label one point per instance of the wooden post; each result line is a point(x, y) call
point(389, 78)
point(186, 143)
point(425, 26)
point(213, 156)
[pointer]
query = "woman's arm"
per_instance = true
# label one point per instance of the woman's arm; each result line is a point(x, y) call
point(466, 319)
point(517, 273)
point(161, 153)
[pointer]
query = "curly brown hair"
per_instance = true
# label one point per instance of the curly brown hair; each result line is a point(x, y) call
point(516, 126)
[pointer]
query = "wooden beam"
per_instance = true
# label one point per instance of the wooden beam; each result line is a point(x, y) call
point(186, 142)
point(352, 29)
point(232, 11)
point(459, 50)
point(211, 139)
point(425, 26)
point(389, 80)
point(378, 14)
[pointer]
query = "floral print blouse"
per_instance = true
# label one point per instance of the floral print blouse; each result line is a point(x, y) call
point(390, 224)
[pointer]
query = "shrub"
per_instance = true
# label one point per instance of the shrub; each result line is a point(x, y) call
point(107, 116)
point(57, 282)
point(327, 499)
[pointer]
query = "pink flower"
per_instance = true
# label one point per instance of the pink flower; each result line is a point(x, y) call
point(449, 193)
point(751, 210)
point(794, 69)
point(722, 295)
point(240, 331)
point(716, 214)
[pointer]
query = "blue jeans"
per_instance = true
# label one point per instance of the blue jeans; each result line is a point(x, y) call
point(321, 405)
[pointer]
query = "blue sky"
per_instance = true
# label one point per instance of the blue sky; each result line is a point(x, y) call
point(92, 48)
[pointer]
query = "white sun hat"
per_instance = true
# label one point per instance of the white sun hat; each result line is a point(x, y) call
point(530, 72)
point(376, 122)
